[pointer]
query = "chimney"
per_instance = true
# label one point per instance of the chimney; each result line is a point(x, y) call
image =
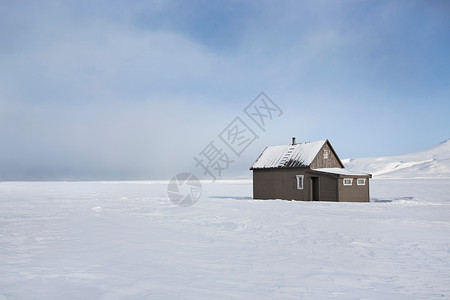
point(293, 140)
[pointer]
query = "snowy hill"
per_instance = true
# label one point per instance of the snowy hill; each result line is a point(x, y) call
point(432, 162)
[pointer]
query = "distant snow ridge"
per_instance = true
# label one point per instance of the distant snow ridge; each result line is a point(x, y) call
point(432, 162)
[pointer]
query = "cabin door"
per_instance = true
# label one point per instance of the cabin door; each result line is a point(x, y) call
point(315, 188)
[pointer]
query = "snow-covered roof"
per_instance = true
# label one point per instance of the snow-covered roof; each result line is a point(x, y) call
point(339, 171)
point(288, 156)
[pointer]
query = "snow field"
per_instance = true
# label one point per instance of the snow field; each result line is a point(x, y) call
point(126, 240)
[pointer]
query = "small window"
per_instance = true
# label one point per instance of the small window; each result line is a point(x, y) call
point(361, 181)
point(348, 181)
point(299, 182)
point(326, 154)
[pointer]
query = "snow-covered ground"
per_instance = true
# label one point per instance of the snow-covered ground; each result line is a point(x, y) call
point(126, 240)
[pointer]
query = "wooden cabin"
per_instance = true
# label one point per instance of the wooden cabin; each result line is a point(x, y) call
point(310, 171)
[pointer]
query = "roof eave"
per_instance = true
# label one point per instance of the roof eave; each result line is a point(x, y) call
point(251, 168)
point(282, 167)
point(342, 175)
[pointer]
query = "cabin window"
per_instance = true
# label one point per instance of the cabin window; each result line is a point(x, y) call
point(299, 182)
point(348, 181)
point(326, 154)
point(361, 181)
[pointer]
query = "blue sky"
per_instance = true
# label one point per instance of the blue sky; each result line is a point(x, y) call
point(134, 90)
